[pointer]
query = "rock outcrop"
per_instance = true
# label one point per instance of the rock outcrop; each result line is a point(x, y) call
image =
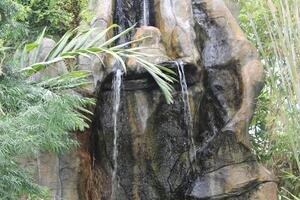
point(224, 77)
point(175, 20)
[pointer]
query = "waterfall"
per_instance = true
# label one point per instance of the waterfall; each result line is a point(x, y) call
point(117, 82)
point(124, 19)
point(186, 106)
point(145, 13)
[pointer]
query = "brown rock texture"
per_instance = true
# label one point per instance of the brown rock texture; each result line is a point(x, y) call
point(152, 46)
point(175, 20)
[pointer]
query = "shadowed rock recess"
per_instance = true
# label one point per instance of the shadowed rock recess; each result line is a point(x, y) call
point(224, 77)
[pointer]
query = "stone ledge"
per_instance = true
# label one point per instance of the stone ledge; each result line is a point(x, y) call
point(231, 181)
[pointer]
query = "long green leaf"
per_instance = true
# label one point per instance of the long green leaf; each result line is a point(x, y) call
point(113, 39)
point(100, 36)
point(35, 51)
point(59, 46)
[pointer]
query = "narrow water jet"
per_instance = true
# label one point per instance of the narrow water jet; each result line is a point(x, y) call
point(145, 13)
point(186, 107)
point(117, 82)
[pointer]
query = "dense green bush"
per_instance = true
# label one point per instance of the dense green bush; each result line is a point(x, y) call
point(58, 16)
point(48, 13)
point(12, 26)
point(23, 19)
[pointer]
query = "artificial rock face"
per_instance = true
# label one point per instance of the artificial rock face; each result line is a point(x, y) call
point(224, 77)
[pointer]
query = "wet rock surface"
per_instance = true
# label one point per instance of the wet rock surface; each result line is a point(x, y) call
point(153, 144)
point(129, 12)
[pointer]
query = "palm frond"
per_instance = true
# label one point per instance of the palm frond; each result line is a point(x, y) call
point(71, 45)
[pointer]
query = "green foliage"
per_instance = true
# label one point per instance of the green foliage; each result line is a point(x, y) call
point(22, 20)
point(16, 182)
point(35, 116)
point(49, 13)
point(12, 15)
point(274, 28)
point(58, 15)
point(33, 119)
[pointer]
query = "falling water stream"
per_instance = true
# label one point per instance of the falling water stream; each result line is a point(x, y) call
point(186, 107)
point(117, 82)
point(116, 87)
point(145, 13)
